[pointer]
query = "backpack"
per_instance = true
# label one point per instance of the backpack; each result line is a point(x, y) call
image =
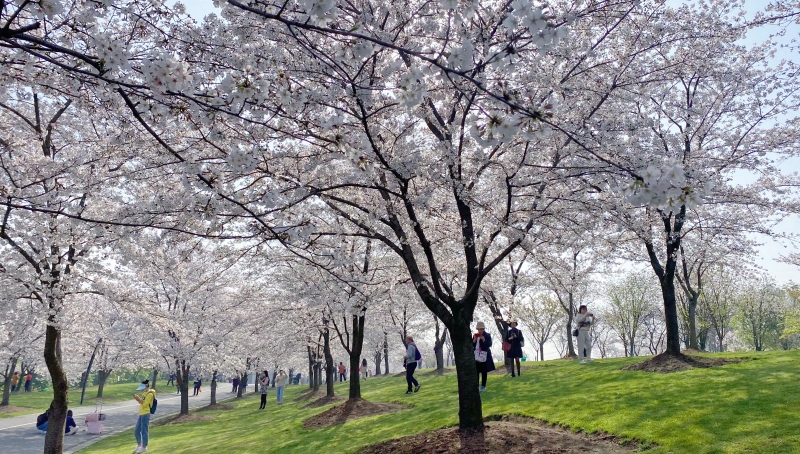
point(154, 405)
point(417, 355)
point(41, 419)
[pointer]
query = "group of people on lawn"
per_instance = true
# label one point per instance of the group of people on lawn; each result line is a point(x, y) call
point(512, 345)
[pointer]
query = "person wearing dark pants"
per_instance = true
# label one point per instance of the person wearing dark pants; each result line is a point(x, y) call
point(412, 356)
point(263, 382)
point(483, 353)
point(517, 342)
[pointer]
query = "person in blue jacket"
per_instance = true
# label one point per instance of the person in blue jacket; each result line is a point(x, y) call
point(483, 343)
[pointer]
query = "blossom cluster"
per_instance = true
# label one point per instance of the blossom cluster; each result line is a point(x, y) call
point(111, 51)
point(163, 74)
point(545, 35)
point(319, 11)
point(665, 188)
point(242, 160)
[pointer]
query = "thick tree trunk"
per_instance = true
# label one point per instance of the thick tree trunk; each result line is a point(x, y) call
point(12, 364)
point(317, 375)
point(242, 385)
point(54, 438)
point(102, 376)
point(182, 375)
point(330, 379)
point(541, 351)
point(673, 340)
point(386, 353)
point(355, 355)
point(155, 377)
point(21, 376)
point(470, 412)
point(214, 388)
point(378, 362)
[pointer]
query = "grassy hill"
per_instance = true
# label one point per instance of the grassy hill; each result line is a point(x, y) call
point(751, 406)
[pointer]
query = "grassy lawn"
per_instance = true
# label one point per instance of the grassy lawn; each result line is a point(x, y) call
point(38, 401)
point(737, 408)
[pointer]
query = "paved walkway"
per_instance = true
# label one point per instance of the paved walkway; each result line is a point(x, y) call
point(18, 435)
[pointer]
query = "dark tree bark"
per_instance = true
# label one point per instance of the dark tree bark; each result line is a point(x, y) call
point(242, 385)
point(330, 380)
point(357, 346)
point(378, 362)
point(438, 347)
point(54, 438)
point(310, 368)
point(10, 367)
point(666, 276)
point(182, 376)
point(501, 323)
point(470, 412)
point(317, 374)
point(214, 388)
point(155, 378)
point(102, 376)
point(386, 353)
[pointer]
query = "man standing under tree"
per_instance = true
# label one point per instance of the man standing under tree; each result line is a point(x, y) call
point(143, 423)
point(412, 356)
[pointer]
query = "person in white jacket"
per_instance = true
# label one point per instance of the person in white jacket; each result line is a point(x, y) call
point(412, 356)
point(583, 320)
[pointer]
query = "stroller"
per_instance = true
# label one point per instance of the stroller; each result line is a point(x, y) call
point(94, 421)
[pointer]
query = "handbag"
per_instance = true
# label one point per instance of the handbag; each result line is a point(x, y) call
point(575, 332)
point(506, 346)
point(480, 356)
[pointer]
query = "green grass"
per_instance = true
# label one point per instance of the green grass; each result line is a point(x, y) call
point(745, 407)
point(38, 401)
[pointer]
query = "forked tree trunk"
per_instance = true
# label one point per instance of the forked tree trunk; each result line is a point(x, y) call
point(242, 385)
point(355, 355)
point(102, 376)
point(54, 438)
point(12, 364)
point(182, 375)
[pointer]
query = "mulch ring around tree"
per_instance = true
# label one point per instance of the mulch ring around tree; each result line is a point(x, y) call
point(350, 411)
point(665, 363)
point(506, 435)
point(181, 419)
point(324, 400)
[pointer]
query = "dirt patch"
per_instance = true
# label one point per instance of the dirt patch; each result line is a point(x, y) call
point(665, 363)
point(446, 370)
point(12, 409)
point(507, 435)
point(217, 407)
point(350, 411)
point(181, 419)
point(325, 400)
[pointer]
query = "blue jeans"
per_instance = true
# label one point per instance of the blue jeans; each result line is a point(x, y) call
point(43, 427)
point(280, 394)
point(142, 430)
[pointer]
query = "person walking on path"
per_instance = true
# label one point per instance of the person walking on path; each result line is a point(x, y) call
point(517, 342)
point(14, 381)
point(483, 353)
point(171, 380)
point(263, 382)
point(584, 322)
point(364, 368)
point(342, 371)
point(412, 356)
point(235, 384)
point(28, 380)
point(197, 384)
point(280, 385)
point(142, 430)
